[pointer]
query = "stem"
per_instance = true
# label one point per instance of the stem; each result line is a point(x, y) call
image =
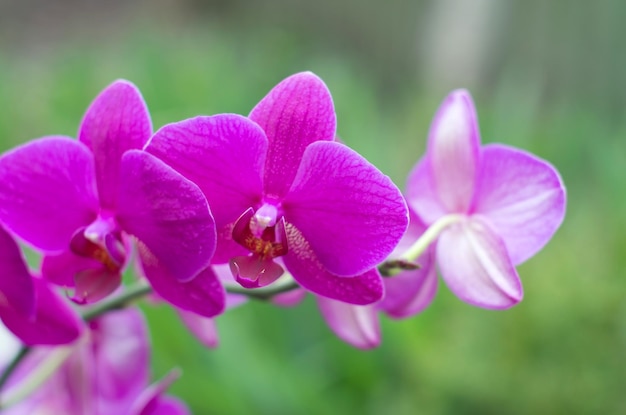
point(407, 260)
point(263, 293)
point(429, 236)
point(131, 294)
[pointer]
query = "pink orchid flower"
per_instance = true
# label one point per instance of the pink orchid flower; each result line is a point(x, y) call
point(496, 206)
point(106, 372)
point(80, 201)
point(284, 193)
point(28, 306)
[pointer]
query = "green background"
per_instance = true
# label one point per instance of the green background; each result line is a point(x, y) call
point(548, 77)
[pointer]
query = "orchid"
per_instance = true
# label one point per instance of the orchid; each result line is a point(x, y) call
point(492, 207)
point(105, 372)
point(80, 201)
point(285, 194)
point(28, 306)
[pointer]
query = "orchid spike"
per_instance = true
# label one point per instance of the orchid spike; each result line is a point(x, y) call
point(501, 205)
point(28, 306)
point(79, 201)
point(285, 193)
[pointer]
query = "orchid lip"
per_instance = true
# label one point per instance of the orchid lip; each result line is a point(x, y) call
point(263, 234)
point(101, 241)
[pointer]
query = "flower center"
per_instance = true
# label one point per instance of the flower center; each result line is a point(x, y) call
point(263, 234)
point(101, 242)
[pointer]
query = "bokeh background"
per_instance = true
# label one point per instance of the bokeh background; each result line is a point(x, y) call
point(547, 76)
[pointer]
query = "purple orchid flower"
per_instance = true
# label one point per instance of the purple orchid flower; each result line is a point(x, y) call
point(285, 194)
point(497, 206)
point(406, 295)
point(79, 201)
point(105, 372)
point(28, 306)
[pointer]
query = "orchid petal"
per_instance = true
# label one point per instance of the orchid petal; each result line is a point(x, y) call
point(475, 265)
point(421, 194)
point(167, 405)
point(203, 328)
point(289, 298)
point(351, 214)
point(61, 268)
point(92, 285)
point(203, 295)
point(116, 121)
point(309, 272)
point(224, 156)
point(410, 292)
point(47, 191)
point(295, 113)
point(522, 197)
point(354, 324)
point(17, 290)
point(454, 151)
point(55, 321)
point(150, 402)
point(121, 358)
point(168, 213)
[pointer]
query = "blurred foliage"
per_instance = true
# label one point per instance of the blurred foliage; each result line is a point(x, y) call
point(560, 351)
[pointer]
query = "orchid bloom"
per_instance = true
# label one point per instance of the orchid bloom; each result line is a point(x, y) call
point(495, 206)
point(105, 372)
point(284, 193)
point(406, 294)
point(78, 202)
point(28, 306)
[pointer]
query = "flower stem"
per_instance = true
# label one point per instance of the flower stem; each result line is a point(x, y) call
point(263, 293)
point(407, 260)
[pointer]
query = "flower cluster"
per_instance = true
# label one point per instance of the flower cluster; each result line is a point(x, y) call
point(215, 209)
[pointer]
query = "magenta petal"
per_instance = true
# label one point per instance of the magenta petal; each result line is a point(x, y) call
point(116, 121)
point(254, 272)
point(351, 214)
point(121, 358)
point(355, 324)
point(454, 151)
point(47, 191)
point(17, 290)
point(295, 113)
point(222, 154)
point(203, 328)
point(61, 268)
point(55, 321)
point(167, 405)
point(522, 197)
point(475, 264)
point(168, 213)
point(92, 285)
point(152, 402)
point(309, 272)
point(203, 295)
